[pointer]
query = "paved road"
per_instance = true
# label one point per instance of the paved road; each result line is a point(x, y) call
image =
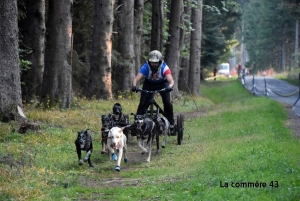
point(276, 89)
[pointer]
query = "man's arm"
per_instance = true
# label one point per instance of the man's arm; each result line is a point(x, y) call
point(170, 80)
point(137, 78)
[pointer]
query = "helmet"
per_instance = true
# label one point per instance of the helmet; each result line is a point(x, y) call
point(117, 108)
point(155, 56)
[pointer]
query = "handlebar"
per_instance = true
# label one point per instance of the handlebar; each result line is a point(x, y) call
point(151, 92)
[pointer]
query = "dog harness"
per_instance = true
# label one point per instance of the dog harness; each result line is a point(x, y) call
point(164, 122)
point(146, 129)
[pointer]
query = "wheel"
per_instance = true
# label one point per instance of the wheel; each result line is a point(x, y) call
point(180, 128)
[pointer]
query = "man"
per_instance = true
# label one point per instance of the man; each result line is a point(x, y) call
point(239, 70)
point(215, 72)
point(157, 76)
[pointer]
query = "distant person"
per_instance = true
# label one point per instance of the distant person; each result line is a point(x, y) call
point(244, 73)
point(239, 70)
point(215, 72)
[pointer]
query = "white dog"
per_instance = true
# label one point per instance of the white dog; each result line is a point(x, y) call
point(116, 141)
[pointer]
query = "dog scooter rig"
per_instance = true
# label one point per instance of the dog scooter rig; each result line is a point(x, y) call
point(154, 110)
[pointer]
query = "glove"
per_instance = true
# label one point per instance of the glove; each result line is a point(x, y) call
point(134, 89)
point(168, 88)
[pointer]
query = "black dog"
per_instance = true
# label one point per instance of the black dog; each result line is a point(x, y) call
point(84, 142)
point(115, 119)
point(106, 126)
point(119, 119)
point(146, 130)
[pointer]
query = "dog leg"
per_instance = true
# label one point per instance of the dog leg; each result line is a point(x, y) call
point(78, 150)
point(157, 144)
point(104, 145)
point(140, 142)
point(112, 154)
point(125, 151)
point(163, 145)
point(120, 153)
point(126, 133)
point(109, 154)
point(150, 149)
point(166, 126)
point(87, 158)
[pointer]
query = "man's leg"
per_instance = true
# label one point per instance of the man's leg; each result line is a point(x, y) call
point(168, 109)
point(143, 103)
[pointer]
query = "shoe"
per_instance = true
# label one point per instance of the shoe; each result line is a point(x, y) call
point(172, 130)
point(114, 157)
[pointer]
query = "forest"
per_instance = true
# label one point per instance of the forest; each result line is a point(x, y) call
point(53, 51)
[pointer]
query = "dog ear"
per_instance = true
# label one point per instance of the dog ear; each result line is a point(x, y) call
point(122, 128)
point(109, 134)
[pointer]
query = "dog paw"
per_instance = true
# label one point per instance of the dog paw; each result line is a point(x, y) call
point(103, 152)
point(117, 168)
point(80, 162)
point(85, 159)
point(125, 160)
point(114, 157)
point(144, 151)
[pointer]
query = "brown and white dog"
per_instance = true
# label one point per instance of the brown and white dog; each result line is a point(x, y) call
point(106, 125)
point(116, 142)
point(146, 130)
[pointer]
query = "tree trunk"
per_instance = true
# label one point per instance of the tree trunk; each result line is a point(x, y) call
point(100, 84)
point(296, 44)
point(184, 63)
point(126, 44)
point(195, 51)
point(10, 84)
point(157, 34)
point(173, 51)
point(282, 57)
point(57, 85)
point(34, 39)
point(138, 30)
point(184, 74)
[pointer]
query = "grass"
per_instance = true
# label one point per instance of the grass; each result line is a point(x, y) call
point(291, 77)
point(238, 140)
